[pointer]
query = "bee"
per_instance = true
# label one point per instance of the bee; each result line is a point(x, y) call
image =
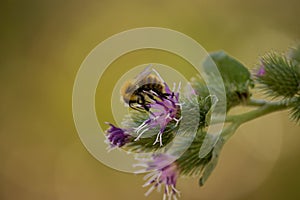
point(146, 87)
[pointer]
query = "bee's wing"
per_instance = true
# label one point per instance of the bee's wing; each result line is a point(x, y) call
point(146, 72)
point(142, 76)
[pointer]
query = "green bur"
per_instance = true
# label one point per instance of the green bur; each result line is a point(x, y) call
point(281, 78)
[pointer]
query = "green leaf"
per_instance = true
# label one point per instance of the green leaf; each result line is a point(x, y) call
point(236, 77)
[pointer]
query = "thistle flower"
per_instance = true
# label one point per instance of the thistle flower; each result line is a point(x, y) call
point(163, 109)
point(261, 71)
point(116, 137)
point(278, 77)
point(161, 105)
point(164, 172)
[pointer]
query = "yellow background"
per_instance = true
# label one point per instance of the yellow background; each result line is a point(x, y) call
point(43, 44)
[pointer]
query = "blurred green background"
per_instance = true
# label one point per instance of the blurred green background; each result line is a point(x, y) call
point(43, 44)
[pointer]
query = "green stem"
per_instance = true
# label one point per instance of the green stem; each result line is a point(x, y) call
point(229, 131)
point(256, 102)
point(267, 108)
point(264, 109)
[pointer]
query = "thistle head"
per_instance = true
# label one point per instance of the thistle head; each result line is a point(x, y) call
point(116, 137)
point(278, 76)
point(261, 71)
point(163, 109)
point(163, 173)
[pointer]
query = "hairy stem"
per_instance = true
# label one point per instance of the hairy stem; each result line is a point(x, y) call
point(265, 108)
point(256, 102)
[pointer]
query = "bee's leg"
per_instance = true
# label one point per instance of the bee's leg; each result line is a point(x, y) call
point(146, 108)
point(156, 95)
point(143, 102)
point(153, 92)
point(137, 104)
point(140, 99)
point(149, 94)
point(132, 104)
